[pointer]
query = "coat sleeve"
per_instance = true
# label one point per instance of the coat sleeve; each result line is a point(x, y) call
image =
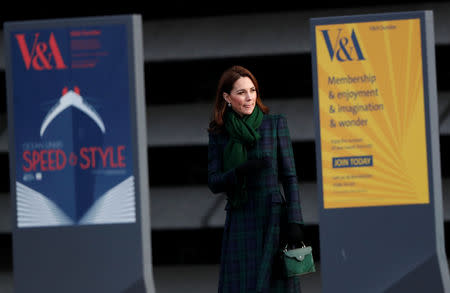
point(287, 172)
point(218, 181)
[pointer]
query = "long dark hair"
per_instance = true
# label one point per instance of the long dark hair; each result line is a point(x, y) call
point(225, 85)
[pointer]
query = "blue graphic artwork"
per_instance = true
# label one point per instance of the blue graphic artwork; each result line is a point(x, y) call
point(74, 159)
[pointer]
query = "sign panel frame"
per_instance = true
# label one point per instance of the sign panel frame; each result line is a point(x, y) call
point(102, 252)
point(382, 248)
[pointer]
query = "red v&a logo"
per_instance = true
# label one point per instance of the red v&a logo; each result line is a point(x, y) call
point(43, 55)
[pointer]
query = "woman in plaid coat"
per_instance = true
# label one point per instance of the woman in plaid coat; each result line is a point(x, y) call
point(249, 152)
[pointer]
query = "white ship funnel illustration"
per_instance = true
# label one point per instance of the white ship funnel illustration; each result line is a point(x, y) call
point(72, 98)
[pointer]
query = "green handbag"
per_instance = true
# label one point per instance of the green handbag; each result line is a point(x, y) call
point(298, 261)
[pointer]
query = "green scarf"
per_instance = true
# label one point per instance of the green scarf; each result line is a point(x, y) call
point(243, 134)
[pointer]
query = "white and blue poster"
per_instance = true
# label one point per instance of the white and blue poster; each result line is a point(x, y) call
point(77, 154)
point(72, 133)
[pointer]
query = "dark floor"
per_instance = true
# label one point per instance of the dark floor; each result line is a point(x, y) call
point(186, 278)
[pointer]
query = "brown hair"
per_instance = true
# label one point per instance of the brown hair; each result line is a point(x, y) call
point(225, 85)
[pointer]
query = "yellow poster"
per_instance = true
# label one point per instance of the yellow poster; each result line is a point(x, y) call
point(371, 112)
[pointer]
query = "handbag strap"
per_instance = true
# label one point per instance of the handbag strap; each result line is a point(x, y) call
point(285, 248)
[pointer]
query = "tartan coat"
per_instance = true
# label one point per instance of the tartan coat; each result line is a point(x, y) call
point(251, 237)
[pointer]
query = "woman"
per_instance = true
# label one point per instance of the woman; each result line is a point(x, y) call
point(249, 152)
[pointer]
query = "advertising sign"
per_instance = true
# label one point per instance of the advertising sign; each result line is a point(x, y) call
point(76, 110)
point(73, 149)
point(377, 153)
point(372, 113)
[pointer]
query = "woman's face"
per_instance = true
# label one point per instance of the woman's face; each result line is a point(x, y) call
point(242, 96)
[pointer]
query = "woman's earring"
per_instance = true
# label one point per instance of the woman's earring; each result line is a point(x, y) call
point(229, 104)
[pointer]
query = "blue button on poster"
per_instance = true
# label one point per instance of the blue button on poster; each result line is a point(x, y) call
point(351, 162)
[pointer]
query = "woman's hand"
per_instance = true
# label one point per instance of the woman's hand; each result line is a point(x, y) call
point(295, 234)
